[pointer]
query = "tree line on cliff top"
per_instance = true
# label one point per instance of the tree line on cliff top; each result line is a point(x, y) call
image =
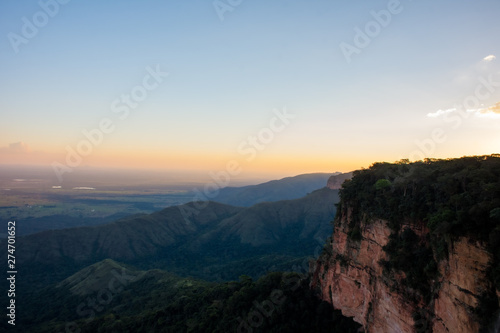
point(454, 196)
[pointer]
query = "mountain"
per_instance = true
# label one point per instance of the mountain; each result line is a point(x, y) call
point(204, 239)
point(275, 190)
point(288, 221)
point(416, 247)
point(96, 277)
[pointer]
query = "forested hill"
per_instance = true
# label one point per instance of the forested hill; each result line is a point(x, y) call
point(215, 241)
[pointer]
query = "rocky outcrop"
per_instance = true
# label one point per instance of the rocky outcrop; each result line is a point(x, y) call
point(335, 182)
point(349, 275)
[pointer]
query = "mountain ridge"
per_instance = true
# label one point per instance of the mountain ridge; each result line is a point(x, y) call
point(204, 245)
point(287, 188)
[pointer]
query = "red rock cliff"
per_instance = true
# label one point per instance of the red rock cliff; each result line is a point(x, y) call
point(350, 277)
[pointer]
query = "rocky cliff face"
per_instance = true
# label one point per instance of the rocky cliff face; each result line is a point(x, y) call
point(463, 281)
point(350, 275)
point(335, 181)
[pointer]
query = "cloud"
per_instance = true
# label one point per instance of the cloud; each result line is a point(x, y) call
point(491, 57)
point(489, 112)
point(16, 147)
point(493, 110)
point(440, 113)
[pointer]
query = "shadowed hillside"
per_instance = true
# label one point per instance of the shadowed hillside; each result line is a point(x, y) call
point(220, 242)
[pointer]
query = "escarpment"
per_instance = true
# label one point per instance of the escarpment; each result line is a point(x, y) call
point(415, 247)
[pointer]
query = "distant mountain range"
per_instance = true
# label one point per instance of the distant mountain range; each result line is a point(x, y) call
point(282, 189)
point(220, 242)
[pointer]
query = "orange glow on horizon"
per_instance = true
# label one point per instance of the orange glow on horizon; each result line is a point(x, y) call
point(263, 163)
point(194, 161)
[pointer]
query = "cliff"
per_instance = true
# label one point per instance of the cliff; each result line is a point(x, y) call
point(335, 182)
point(352, 279)
point(414, 268)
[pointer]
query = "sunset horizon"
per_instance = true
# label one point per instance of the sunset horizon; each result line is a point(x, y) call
point(275, 98)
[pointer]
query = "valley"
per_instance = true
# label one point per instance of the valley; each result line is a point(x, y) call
point(381, 249)
point(216, 243)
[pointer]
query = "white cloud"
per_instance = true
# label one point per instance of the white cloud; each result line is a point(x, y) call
point(491, 57)
point(440, 113)
point(489, 112)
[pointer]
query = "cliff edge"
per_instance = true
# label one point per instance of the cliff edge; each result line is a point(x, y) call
point(415, 247)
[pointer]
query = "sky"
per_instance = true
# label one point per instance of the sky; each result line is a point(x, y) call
point(247, 87)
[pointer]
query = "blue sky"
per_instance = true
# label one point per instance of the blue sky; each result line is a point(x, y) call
point(226, 78)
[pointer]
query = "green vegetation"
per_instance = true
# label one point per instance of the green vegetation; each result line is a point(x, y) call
point(158, 301)
point(218, 243)
point(62, 293)
point(382, 184)
point(409, 254)
point(455, 197)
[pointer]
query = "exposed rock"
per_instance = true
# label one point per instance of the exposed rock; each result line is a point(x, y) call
point(335, 182)
point(463, 281)
point(352, 279)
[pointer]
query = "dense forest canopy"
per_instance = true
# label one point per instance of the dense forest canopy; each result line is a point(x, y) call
point(453, 196)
